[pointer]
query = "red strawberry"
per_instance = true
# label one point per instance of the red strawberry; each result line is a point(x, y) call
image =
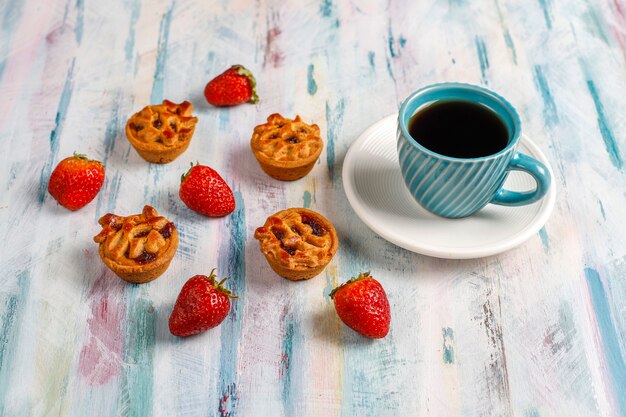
point(76, 181)
point(202, 304)
point(234, 86)
point(362, 305)
point(203, 190)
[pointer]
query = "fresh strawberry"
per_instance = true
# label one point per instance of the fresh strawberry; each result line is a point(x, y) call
point(234, 86)
point(202, 304)
point(362, 305)
point(76, 181)
point(203, 190)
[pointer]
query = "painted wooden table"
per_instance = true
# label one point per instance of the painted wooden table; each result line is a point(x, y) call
point(537, 331)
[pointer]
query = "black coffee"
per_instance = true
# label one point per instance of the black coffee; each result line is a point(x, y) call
point(459, 129)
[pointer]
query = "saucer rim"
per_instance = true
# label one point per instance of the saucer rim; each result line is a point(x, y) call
point(438, 251)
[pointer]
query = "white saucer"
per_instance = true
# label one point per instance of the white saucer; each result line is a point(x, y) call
point(375, 189)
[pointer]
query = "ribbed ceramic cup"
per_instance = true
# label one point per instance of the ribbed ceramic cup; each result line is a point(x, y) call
point(459, 187)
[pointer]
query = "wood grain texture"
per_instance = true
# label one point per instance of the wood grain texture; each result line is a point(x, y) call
point(537, 331)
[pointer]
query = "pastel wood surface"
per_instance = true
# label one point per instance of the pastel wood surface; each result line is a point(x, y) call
point(537, 331)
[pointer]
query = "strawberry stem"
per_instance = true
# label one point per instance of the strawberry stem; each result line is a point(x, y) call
point(241, 70)
point(83, 157)
point(185, 175)
point(352, 280)
point(220, 285)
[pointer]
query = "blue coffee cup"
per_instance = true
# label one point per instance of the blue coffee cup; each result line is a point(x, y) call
point(459, 187)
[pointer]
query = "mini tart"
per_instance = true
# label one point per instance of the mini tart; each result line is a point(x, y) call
point(137, 248)
point(161, 132)
point(286, 149)
point(298, 243)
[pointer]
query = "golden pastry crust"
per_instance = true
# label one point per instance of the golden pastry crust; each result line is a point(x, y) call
point(161, 132)
point(138, 248)
point(298, 243)
point(286, 149)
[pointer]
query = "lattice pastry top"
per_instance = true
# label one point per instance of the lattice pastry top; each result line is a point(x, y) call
point(167, 123)
point(135, 240)
point(286, 140)
point(297, 238)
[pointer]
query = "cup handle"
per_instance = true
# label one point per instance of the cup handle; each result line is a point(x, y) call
point(539, 172)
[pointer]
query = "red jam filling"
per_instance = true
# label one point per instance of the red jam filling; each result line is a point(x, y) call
point(167, 230)
point(278, 233)
point(316, 228)
point(290, 251)
point(145, 258)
